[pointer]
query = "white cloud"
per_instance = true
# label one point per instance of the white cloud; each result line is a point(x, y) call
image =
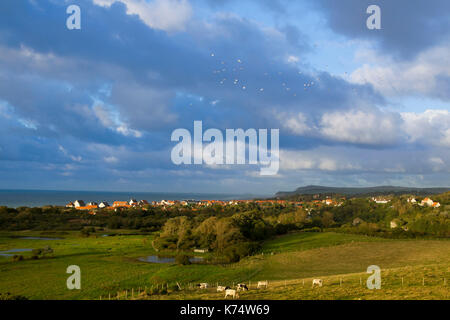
point(431, 127)
point(293, 59)
point(295, 123)
point(168, 15)
point(111, 159)
point(67, 154)
point(322, 158)
point(123, 129)
point(361, 127)
point(111, 120)
point(422, 76)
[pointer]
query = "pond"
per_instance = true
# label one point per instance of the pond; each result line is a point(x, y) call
point(156, 259)
point(10, 253)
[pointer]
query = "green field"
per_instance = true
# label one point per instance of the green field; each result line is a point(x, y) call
point(109, 265)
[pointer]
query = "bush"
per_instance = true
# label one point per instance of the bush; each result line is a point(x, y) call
point(182, 259)
point(36, 252)
point(17, 258)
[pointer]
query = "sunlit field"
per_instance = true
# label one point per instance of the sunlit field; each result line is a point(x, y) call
point(110, 269)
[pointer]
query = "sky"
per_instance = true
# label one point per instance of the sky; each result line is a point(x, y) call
point(94, 108)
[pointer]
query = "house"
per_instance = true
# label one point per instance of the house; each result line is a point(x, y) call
point(103, 204)
point(120, 204)
point(70, 205)
point(427, 201)
point(166, 203)
point(436, 205)
point(132, 202)
point(93, 204)
point(143, 202)
point(88, 207)
point(381, 200)
point(200, 250)
point(79, 203)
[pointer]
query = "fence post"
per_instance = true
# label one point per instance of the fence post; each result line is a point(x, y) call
point(360, 281)
point(402, 281)
point(109, 296)
point(340, 282)
point(423, 281)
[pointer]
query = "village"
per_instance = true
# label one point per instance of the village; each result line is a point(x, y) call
point(142, 204)
point(93, 207)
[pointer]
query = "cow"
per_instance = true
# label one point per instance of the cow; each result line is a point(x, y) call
point(202, 285)
point(319, 282)
point(231, 292)
point(222, 288)
point(241, 287)
point(262, 284)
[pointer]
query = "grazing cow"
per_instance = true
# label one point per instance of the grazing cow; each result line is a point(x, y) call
point(262, 284)
point(203, 285)
point(222, 288)
point(319, 282)
point(242, 286)
point(231, 292)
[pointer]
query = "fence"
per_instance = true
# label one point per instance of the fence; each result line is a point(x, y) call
point(352, 281)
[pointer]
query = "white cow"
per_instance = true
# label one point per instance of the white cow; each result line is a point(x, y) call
point(263, 284)
point(222, 288)
point(203, 286)
point(319, 282)
point(231, 292)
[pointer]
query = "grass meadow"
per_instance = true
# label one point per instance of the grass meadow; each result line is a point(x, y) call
point(411, 269)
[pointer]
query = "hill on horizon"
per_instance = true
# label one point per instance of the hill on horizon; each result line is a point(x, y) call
point(360, 191)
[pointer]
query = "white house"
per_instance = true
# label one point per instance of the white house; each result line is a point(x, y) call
point(427, 201)
point(436, 205)
point(70, 205)
point(380, 200)
point(200, 250)
point(166, 203)
point(103, 204)
point(132, 202)
point(79, 203)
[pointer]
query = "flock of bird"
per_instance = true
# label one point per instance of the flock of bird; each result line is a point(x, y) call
point(232, 72)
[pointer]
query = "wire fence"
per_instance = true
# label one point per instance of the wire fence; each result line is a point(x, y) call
point(390, 282)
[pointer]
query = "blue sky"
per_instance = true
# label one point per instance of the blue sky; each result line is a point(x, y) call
point(94, 109)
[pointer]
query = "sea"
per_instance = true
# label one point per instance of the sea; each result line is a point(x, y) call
point(39, 198)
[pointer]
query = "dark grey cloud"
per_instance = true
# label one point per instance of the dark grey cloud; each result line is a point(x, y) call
point(408, 26)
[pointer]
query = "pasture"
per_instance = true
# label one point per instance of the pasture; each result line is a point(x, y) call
point(110, 265)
